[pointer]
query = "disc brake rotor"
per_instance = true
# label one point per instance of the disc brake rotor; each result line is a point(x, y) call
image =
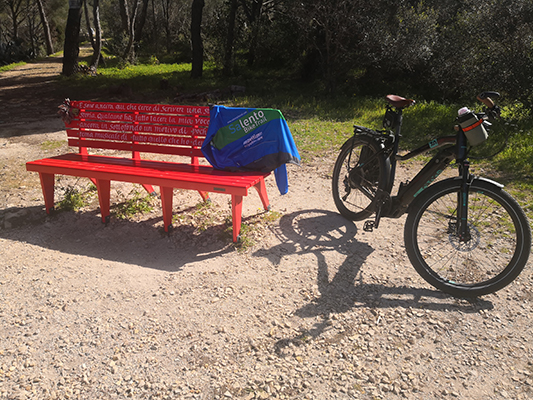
point(471, 243)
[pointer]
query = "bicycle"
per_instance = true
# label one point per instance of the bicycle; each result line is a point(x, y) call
point(465, 235)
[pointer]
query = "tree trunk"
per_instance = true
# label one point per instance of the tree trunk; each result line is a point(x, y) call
point(72, 38)
point(46, 28)
point(166, 5)
point(154, 27)
point(124, 15)
point(228, 56)
point(196, 39)
point(31, 29)
point(88, 23)
point(15, 10)
point(129, 53)
point(142, 20)
point(97, 55)
point(255, 21)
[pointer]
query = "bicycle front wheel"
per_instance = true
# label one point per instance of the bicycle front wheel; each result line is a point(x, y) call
point(492, 255)
point(358, 176)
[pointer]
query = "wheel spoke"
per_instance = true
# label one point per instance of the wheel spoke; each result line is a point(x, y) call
point(357, 176)
point(491, 255)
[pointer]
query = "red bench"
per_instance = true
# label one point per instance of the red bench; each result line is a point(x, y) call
point(168, 130)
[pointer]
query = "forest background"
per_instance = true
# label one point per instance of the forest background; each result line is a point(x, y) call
point(437, 49)
point(324, 64)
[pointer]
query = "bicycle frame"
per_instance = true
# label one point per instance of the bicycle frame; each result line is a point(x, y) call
point(455, 148)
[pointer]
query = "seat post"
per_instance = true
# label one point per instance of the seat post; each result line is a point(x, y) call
point(397, 136)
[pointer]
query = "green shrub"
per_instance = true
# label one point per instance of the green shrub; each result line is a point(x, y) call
point(136, 205)
point(72, 201)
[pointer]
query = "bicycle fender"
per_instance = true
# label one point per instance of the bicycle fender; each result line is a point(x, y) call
point(452, 181)
point(478, 178)
point(348, 142)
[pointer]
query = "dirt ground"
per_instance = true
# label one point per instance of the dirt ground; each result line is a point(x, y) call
point(312, 307)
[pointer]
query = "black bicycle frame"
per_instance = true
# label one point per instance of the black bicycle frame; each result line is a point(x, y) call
point(425, 177)
point(408, 192)
point(456, 149)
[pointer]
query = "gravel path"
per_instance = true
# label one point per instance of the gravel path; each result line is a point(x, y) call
point(314, 308)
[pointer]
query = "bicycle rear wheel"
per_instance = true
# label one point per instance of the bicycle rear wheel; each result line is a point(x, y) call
point(357, 177)
point(493, 255)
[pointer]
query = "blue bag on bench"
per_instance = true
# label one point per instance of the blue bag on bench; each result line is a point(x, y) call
point(250, 139)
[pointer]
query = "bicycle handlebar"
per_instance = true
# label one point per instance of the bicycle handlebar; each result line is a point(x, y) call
point(485, 99)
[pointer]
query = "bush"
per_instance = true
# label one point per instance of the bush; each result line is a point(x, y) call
point(13, 52)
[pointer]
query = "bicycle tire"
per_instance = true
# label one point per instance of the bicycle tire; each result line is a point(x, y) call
point(355, 189)
point(495, 254)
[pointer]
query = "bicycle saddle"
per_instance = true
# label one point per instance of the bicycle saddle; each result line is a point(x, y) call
point(399, 102)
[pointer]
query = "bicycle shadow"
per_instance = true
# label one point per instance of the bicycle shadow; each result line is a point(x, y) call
point(318, 232)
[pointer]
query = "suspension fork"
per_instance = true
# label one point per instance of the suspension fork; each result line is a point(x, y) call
point(462, 229)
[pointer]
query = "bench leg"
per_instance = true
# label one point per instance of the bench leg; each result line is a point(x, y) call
point(261, 189)
point(205, 195)
point(104, 196)
point(47, 184)
point(166, 204)
point(236, 216)
point(149, 189)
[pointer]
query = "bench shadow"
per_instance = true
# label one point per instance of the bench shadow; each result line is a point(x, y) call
point(319, 232)
point(313, 231)
point(143, 243)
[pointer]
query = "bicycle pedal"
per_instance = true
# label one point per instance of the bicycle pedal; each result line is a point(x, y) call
point(369, 226)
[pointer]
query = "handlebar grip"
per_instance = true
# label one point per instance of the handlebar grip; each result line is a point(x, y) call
point(485, 99)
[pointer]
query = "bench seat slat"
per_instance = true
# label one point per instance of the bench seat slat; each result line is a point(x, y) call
point(150, 172)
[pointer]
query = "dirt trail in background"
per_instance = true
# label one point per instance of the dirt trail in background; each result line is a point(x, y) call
point(30, 92)
point(315, 308)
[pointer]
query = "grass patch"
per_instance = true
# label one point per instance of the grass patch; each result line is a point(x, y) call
point(203, 216)
point(518, 155)
point(145, 81)
point(48, 145)
point(522, 191)
point(271, 216)
point(137, 205)
point(9, 67)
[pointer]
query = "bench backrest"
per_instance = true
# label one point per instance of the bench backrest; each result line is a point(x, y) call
point(139, 128)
